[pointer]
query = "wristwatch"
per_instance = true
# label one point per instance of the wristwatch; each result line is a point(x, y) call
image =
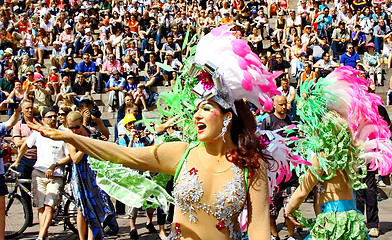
point(57, 164)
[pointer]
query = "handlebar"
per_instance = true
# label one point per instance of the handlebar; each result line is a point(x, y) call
point(13, 173)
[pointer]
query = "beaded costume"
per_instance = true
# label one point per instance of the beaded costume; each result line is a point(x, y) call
point(189, 195)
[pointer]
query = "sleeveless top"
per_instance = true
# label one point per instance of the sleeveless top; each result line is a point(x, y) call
point(227, 205)
point(280, 25)
point(151, 69)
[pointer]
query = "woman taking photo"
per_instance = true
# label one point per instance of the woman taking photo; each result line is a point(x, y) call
point(210, 187)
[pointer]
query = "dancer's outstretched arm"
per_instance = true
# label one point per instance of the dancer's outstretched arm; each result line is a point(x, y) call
point(159, 158)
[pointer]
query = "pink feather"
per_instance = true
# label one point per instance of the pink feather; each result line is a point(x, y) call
point(242, 63)
point(240, 47)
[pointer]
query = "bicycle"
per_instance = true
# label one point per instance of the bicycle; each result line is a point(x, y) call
point(16, 206)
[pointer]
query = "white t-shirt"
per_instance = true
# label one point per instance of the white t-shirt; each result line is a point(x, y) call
point(47, 27)
point(322, 63)
point(48, 152)
point(289, 92)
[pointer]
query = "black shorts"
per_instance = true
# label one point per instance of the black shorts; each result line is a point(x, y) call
point(3, 186)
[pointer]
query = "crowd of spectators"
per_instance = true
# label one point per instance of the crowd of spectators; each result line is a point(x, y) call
point(113, 47)
point(131, 36)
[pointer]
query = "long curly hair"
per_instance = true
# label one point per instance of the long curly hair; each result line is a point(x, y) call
point(249, 153)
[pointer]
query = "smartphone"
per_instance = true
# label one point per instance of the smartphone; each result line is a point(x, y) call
point(12, 105)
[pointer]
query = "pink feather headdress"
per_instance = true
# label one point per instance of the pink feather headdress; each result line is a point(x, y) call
point(239, 74)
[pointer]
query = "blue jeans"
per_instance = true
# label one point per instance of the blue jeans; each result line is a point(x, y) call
point(26, 168)
point(169, 74)
point(156, 79)
point(144, 42)
point(86, 49)
point(336, 47)
point(378, 41)
point(78, 46)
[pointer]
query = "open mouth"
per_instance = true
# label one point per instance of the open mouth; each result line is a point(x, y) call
point(201, 127)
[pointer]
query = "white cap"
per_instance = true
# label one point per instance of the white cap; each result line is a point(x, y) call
point(87, 30)
point(9, 50)
point(37, 65)
point(53, 68)
point(8, 72)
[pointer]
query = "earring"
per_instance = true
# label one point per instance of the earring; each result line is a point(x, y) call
point(224, 129)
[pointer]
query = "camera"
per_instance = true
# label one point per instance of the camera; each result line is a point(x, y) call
point(3, 152)
point(12, 105)
point(95, 135)
point(95, 112)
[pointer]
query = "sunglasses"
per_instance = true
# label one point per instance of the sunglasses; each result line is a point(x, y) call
point(29, 74)
point(52, 116)
point(75, 127)
point(62, 114)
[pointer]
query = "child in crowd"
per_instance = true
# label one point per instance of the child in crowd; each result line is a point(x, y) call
point(133, 52)
point(87, 41)
point(130, 66)
point(141, 96)
point(130, 86)
point(38, 73)
point(53, 80)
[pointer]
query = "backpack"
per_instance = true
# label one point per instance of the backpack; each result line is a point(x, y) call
point(268, 122)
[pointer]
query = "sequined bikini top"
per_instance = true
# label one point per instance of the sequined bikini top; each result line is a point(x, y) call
point(188, 192)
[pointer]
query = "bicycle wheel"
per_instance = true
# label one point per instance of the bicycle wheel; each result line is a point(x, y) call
point(16, 213)
point(70, 214)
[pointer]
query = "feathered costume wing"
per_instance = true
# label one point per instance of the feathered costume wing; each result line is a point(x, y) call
point(362, 140)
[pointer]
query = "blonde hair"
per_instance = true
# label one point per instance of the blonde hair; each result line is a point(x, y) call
point(74, 116)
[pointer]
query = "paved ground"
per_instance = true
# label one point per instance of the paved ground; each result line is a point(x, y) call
point(57, 232)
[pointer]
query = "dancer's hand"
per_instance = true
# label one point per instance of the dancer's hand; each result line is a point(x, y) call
point(293, 219)
point(45, 131)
